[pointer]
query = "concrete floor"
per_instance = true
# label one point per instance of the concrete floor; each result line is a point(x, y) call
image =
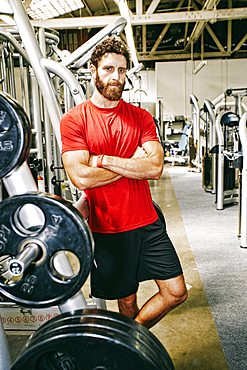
point(188, 332)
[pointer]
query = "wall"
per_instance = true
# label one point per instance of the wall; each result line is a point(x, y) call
point(175, 82)
point(144, 91)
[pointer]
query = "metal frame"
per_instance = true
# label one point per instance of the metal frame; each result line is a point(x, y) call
point(211, 138)
point(227, 196)
point(243, 139)
point(195, 122)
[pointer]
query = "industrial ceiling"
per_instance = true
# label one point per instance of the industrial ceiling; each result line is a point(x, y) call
point(165, 29)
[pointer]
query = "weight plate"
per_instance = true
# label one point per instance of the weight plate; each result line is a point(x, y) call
point(55, 226)
point(93, 340)
point(15, 135)
point(85, 318)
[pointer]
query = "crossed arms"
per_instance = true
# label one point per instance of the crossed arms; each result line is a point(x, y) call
point(146, 163)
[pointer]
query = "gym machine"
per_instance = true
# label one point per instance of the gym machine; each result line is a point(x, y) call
point(227, 124)
point(209, 173)
point(195, 147)
point(243, 203)
point(223, 158)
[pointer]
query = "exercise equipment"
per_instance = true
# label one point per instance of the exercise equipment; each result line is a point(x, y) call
point(15, 135)
point(195, 147)
point(35, 229)
point(93, 339)
point(243, 203)
point(227, 137)
point(209, 173)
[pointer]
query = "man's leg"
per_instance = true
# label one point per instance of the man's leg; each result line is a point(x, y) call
point(128, 306)
point(172, 292)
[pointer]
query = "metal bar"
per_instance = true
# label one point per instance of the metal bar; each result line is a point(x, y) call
point(11, 75)
point(20, 263)
point(243, 139)
point(117, 26)
point(165, 29)
point(16, 44)
point(47, 125)
point(22, 82)
point(240, 43)
point(212, 140)
point(37, 126)
point(216, 40)
point(125, 12)
point(20, 181)
point(152, 6)
point(140, 19)
point(67, 76)
point(220, 181)
point(35, 56)
point(3, 70)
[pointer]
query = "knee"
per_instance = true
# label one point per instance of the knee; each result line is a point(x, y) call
point(128, 301)
point(179, 296)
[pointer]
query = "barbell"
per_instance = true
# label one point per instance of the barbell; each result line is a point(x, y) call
point(36, 229)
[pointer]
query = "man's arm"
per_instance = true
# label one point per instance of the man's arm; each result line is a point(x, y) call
point(145, 163)
point(145, 167)
point(82, 175)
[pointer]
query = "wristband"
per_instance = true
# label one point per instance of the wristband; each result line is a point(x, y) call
point(99, 160)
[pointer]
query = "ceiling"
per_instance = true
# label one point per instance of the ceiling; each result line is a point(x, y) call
point(167, 29)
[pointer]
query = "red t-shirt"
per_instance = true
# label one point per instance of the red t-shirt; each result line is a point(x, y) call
point(126, 204)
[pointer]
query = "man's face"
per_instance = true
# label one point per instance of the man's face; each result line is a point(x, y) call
point(110, 76)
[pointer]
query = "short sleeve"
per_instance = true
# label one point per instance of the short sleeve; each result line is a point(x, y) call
point(72, 133)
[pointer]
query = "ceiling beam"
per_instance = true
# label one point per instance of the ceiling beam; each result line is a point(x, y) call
point(199, 26)
point(229, 30)
point(152, 6)
point(160, 18)
point(105, 6)
point(179, 55)
point(240, 43)
point(139, 7)
point(87, 8)
point(214, 37)
point(165, 29)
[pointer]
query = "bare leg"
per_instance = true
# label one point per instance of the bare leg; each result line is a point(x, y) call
point(128, 306)
point(171, 293)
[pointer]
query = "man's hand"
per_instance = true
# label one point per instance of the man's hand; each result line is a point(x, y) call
point(146, 163)
point(138, 153)
point(93, 161)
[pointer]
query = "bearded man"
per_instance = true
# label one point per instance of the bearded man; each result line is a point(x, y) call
point(109, 150)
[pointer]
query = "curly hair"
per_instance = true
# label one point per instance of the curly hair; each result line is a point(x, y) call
point(110, 45)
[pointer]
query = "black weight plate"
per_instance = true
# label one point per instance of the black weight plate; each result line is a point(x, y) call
point(93, 340)
point(64, 229)
point(15, 135)
point(84, 319)
point(159, 212)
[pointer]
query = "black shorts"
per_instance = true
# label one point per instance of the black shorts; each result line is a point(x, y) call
point(122, 260)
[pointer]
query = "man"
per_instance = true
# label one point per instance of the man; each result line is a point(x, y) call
point(110, 150)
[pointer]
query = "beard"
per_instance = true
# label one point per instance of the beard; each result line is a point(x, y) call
point(110, 93)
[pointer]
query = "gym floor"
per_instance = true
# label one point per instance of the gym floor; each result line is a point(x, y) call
point(207, 331)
